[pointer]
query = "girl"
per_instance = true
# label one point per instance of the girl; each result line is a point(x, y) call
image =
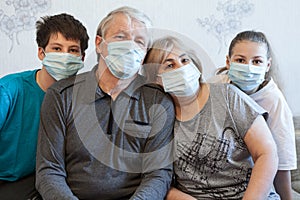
point(248, 66)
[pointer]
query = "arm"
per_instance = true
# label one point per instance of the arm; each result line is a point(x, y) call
point(5, 104)
point(158, 151)
point(282, 183)
point(263, 150)
point(175, 194)
point(50, 166)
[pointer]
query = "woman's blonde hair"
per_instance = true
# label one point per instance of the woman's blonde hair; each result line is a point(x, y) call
point(159, 51)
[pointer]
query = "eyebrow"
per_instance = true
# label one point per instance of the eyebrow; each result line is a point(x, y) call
point(58, 44)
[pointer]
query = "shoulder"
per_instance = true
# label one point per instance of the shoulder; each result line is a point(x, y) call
point(12, 83)
point(17, 76)
point(68, 83)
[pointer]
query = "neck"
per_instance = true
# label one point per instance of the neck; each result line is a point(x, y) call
point(43, 79)
point(110, 84)
point(187, 107)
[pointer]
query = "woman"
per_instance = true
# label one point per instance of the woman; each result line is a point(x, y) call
point(224, 148)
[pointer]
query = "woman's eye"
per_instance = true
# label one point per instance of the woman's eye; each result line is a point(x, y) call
point(185, 60)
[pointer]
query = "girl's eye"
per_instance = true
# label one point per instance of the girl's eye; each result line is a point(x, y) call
point(257, 62)
point(240, 60)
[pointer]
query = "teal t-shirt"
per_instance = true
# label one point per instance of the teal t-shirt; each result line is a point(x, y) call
point(20, 102)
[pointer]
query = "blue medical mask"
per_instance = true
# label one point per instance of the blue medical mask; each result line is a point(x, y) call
point(124, 58)
point(62, 65)
point(246, 76)
point(183, 81)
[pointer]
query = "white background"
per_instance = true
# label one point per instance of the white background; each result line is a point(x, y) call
point(278, 19)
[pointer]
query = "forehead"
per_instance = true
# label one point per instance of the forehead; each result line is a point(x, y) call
point(250, 48)
point(58, 38)
point(175, 53)
point(123, 23)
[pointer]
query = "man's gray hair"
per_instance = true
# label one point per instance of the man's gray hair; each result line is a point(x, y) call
point(130, 12)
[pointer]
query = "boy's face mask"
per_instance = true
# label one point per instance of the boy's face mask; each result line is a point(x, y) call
point(62, 65)
point(246, 76)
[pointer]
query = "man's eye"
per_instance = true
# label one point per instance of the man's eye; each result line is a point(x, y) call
point(120, 37)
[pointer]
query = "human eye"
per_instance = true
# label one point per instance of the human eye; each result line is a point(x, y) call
point(119, 37)
point(141, 43)
point(56, 49)
point(239, 60)
point(168, 66)
point(257, 62)
point(185, 60)
point(75, 51)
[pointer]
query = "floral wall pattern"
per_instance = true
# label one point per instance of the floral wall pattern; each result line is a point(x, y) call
point(23, 18)
point(233, 12)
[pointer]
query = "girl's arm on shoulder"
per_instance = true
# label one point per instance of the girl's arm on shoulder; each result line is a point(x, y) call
point(262, 147)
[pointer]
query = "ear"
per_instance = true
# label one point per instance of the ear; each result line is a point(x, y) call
point(269, 64)
point(98, 41)
point(227, 62)
point(41, 54)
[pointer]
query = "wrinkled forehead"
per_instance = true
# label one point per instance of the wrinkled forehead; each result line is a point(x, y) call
point(121, 22)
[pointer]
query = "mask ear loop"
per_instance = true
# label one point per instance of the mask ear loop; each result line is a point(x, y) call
point(100, 45)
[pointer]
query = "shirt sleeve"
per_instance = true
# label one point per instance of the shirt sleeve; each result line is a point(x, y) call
point(5, 105)
point(50, 166)
point(158, 153)
point(247, 107)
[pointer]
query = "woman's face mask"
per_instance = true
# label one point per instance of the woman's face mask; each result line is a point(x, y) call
point(183, 81)
point(62, 65)
point(124, 58)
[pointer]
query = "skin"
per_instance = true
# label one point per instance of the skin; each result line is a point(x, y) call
point(255, 53)
point(258, 138)
point(120, 28)
point(57, 43)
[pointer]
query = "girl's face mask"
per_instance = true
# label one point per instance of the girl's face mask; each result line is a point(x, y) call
point(246, 76)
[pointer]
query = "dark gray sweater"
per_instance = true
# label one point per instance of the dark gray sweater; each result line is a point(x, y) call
point(91, 147)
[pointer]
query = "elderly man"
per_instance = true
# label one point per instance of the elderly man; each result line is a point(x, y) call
point(106, 134)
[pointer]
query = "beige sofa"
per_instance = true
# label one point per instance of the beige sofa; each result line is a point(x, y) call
point(296, 173)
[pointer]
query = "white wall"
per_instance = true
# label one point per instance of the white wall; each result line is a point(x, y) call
point(211, 24)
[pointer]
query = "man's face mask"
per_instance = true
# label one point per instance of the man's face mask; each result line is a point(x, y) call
point(246, 76)
point(62, 65)
point(183, 81)
point(124, 58)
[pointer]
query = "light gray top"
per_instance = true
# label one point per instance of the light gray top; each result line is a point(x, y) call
point(212, 160)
